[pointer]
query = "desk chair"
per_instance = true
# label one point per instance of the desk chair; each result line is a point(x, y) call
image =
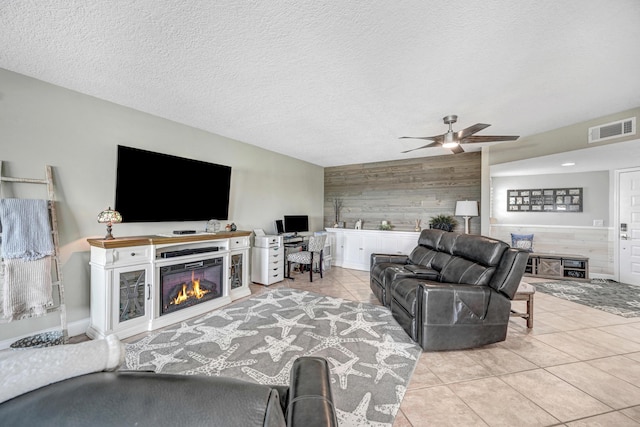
point(315, 250)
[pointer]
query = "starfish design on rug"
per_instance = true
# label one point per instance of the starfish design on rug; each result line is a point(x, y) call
point(184, 328)
point(252, 312)
point(267, 353)
point(281, 378)
point(334, 318)
point(383, 368)
point(225, 314)
point(134, 350)
point(392, 408)
point(269, 299)
point(343, 370)
point(336, 303)
point(385, 313)
point(161, 360)
point(361, 324)
point(332, 341)
point(213, 366)
point(390, 347)
point(308, 307)
point(221, 336)
point(359, 415)
point(286, 324)
point(360, 308)
point(276, 348)
point(296, 297)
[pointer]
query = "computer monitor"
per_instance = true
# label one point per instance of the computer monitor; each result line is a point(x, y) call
point(279, 226)
point(296, 223)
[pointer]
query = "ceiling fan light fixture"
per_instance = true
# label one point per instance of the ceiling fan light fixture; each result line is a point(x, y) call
point(449, 140)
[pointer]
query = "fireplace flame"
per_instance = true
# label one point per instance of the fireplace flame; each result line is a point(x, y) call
point(195, 291)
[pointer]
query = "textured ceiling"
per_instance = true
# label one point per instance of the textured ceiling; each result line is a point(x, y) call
point(337, 82)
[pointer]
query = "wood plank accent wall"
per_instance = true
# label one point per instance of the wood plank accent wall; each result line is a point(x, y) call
point(401, 191)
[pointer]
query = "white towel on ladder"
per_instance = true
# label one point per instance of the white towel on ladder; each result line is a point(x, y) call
point(27, 288)
point(26, 230)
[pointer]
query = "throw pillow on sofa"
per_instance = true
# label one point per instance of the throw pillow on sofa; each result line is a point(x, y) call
point(522, 241)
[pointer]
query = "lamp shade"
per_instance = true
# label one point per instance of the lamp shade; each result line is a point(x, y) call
point(466, 208)
point(109, 216)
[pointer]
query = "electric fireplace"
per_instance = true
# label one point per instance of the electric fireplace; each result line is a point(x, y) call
point(187, 284)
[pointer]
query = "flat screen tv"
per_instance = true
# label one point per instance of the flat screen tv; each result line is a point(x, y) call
point(296, 223)
point(156, 187)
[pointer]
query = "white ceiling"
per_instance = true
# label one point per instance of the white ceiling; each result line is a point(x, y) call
point(600, 158)
point(337, 82)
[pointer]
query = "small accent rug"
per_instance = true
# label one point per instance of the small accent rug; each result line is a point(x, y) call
point(370, 355)
point(606, 295)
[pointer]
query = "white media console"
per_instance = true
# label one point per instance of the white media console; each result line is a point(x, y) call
point(143, 283)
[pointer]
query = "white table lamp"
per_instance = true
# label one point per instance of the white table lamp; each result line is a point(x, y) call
point(466, 209)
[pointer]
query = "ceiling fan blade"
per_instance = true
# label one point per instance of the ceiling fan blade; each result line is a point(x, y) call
point(457, 149)
point(471, 130)
point(433, 144)
point(428, 138)
point(488, 138)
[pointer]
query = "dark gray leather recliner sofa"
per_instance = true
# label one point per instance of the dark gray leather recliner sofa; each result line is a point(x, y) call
point(127, 398)
point(453, 291)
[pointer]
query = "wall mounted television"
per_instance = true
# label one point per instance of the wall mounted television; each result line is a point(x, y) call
point(296, 223)
point(156, 187)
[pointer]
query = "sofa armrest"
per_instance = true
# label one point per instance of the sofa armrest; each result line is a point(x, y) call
point(388, 258)
point(453, 303)
point(422, 272)
point(310, 402)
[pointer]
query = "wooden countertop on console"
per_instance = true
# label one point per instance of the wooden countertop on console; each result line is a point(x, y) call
point(123, 242)
point(557, 256)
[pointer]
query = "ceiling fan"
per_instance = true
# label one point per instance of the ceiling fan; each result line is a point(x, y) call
point(453, 140)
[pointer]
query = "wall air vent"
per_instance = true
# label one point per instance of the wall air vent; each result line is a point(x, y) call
point(612, 130)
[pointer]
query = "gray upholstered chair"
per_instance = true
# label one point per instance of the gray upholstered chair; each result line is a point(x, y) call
point(314, 253)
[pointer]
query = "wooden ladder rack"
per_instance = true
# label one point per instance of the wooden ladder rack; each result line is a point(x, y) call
point(57, 270)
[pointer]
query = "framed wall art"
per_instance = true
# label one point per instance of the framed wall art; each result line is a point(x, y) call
point(545, 200)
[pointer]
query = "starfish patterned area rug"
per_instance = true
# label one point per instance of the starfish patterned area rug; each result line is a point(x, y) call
point(370, 356)
point(606, 295)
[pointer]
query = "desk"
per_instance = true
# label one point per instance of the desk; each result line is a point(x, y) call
point(294, 239)
point(294, 244)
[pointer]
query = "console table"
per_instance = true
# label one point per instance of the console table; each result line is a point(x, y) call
point(558, 266)
point(125, 278)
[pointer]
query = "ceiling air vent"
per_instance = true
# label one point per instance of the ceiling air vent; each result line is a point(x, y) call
point(612, 130)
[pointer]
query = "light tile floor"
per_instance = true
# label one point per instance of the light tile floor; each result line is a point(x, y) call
point(577, 366)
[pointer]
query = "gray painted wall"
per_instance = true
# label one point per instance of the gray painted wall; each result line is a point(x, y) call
point(595, 187)
point(77, 134)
